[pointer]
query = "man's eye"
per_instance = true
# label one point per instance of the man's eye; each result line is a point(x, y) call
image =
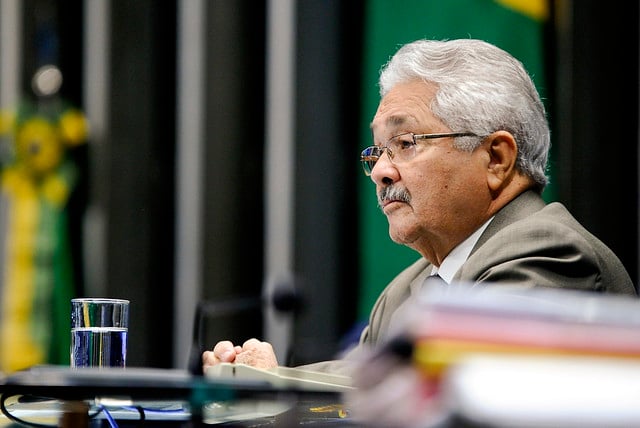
point(402, 144)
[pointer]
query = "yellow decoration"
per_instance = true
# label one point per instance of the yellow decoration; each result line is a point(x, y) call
point(38, 146)
point(73, 127)
point(55, 190)
point(18, 348)
point(534, 9)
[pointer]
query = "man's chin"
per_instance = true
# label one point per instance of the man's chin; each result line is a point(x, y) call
point(400, 236)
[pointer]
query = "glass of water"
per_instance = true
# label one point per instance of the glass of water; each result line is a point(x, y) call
point(99, 328)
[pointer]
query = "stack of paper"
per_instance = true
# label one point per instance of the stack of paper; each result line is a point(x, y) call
point(519, 391)
point(454, 323)
point(508, 357)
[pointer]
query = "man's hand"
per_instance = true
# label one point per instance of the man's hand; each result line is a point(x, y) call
point(253, 352)
point(223, 352)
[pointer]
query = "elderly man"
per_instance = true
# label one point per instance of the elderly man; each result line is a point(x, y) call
point(459, 160)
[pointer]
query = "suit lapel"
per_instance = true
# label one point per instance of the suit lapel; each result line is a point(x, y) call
point(523, 206)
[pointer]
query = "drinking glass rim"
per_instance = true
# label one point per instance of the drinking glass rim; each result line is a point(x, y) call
point(99, 300)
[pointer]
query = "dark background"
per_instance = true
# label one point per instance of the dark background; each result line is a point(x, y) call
point(593, 89)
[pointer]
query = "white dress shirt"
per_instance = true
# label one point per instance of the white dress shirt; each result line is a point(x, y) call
point(458, 255)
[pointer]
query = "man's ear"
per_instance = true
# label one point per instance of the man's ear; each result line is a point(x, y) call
point(503, 151)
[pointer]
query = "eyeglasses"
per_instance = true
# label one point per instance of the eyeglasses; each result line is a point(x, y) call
point(401, 148)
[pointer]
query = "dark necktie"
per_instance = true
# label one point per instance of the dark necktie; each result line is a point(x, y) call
point(435, 281)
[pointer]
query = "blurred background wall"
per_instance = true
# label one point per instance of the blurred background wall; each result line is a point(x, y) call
point(222, 154)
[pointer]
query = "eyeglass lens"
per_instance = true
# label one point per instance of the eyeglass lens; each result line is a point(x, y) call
point(369, 157)
point(399, 149)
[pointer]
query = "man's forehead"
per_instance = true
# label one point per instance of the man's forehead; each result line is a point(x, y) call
point(390, 122)
point(406, 103)
point(394, 120)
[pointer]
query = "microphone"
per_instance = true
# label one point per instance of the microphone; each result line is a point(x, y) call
point(284, 299)
point(287, 300)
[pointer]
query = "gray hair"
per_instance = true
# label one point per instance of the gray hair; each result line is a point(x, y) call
point(481, 89)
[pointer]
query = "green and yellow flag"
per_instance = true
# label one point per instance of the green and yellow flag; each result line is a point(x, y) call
point(516, 26)
point(36, 285)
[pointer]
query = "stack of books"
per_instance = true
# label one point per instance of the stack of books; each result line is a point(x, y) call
point(508, 357)
point(500, 320)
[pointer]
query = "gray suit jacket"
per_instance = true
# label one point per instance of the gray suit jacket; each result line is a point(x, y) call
point(527, 244)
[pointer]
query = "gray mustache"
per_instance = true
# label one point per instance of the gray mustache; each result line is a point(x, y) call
point(391, 193)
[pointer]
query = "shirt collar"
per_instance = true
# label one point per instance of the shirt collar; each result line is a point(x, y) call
point(458, 255)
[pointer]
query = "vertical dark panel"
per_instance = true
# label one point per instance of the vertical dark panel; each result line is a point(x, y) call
point(141, 173)
point(53, 35)
point(52, 31)
point(233, 199)
point(327, 88)
point(349, 145)
point(600, 148)
point(70, 31)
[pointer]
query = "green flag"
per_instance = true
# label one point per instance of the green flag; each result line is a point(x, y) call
point(516, 26)
point(36, 181)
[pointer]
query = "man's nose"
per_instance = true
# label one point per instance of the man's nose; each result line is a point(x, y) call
point(384, 171)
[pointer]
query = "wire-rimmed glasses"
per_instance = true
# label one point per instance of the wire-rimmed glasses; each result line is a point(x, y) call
point(401, 148)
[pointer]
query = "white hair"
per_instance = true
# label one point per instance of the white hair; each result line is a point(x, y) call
point(480, 89)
